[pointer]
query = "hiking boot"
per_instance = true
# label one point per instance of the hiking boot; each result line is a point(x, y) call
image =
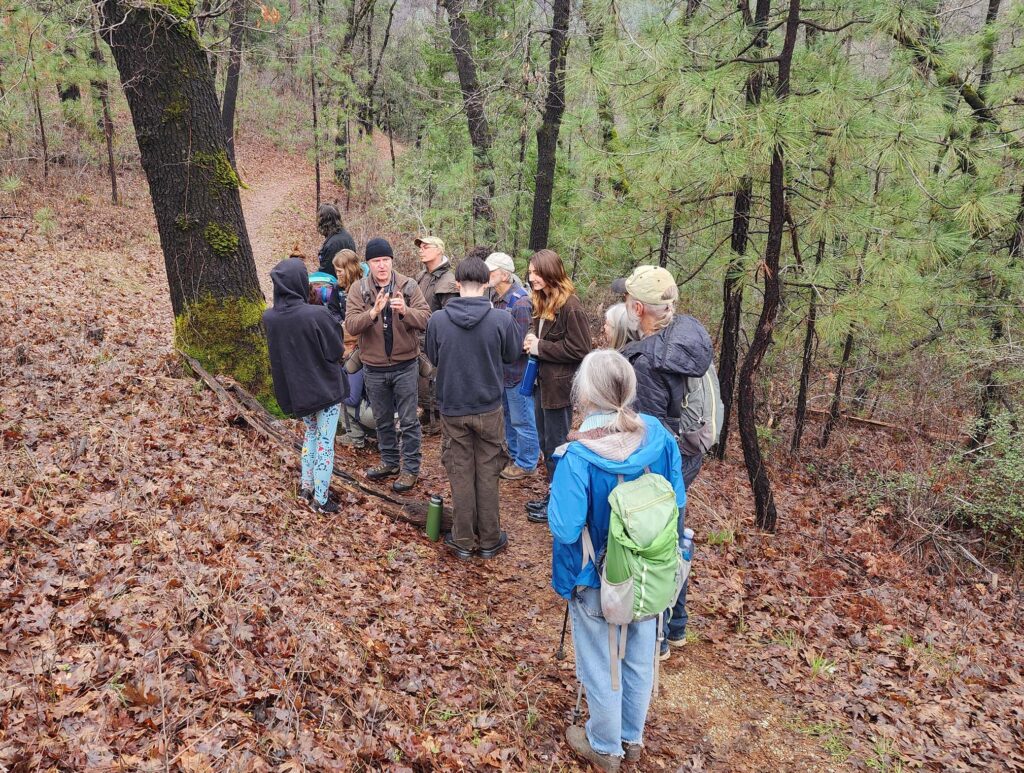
point(405, 482)
point(492, 552)
point(577, 738)
point(460, 553)
point(680, 642)
point(666, 652)
point(515, 472)
point(537, 510)
point(306, 495)
point(633, 751)
point(330, 507)
point(382, 471)
point(352, 441)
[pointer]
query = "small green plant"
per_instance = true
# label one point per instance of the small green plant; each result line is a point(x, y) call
point(885, 757)
point(907, 641)
point(10, 185)
point(832, 739)
point(46, 222)
point(821, 667)
point(785, 637)
point(724, 536)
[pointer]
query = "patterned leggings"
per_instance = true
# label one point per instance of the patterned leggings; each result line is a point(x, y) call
point(318, 451)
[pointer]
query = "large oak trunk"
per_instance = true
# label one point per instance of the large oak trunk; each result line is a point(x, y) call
point(211, 274)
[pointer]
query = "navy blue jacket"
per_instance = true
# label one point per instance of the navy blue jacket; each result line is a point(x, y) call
point(305, 345)
point(662, 363)
point(469, 342)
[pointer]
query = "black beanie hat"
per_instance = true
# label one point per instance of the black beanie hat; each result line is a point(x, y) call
point(378, 247)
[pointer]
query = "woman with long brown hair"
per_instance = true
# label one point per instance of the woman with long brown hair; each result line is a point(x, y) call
point(559, 338)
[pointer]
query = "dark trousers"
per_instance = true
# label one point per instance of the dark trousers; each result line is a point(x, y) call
point(675, 624)
point(473, 453)
point(390, 391)
point(553, 425)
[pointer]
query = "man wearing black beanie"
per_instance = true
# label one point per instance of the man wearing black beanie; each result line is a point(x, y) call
point(387, 312)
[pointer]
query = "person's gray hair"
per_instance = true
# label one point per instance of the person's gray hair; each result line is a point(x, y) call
point(606, 382)
point(617, 318)
point(661, 314)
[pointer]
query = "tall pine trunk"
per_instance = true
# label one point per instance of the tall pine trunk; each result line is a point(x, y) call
point(547, 134)
point(215, 293)
point(102, 92)
point(765, 514)
point(732, 286)
point(479, 130)
point(236, 36)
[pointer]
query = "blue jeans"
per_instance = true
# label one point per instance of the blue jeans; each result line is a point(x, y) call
point(520, 428)
point(616, 717)
point(318, 451)
point(675, 625)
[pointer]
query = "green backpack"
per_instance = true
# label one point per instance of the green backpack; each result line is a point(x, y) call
point(641, 570)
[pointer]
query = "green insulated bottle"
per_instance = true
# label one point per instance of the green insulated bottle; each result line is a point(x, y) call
point(434, 512)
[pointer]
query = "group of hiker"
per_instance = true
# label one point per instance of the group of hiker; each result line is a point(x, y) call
point(503, 368)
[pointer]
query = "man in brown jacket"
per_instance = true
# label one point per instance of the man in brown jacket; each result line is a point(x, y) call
point(387, 311)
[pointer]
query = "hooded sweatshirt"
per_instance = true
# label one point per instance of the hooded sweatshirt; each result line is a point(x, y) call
point(305, 345)
point(468, 342)
point(662, 363)
point(584, 478)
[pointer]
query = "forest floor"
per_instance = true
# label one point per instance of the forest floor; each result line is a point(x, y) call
point(165, 602)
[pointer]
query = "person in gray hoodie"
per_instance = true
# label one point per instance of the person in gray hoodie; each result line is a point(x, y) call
point(469, 341)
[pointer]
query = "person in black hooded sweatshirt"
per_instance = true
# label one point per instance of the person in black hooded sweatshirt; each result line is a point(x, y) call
point(309, 382)
point(469, 341)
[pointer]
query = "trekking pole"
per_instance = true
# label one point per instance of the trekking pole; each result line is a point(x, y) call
point(560, 655)
point(577, 714)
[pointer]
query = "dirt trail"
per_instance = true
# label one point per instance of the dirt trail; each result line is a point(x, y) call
point(707, 715)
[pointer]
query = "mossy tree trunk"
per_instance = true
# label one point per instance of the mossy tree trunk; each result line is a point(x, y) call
point(211, 274)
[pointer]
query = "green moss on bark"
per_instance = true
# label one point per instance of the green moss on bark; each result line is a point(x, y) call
point(222, 241)
point(222, 174)
point(226, 336)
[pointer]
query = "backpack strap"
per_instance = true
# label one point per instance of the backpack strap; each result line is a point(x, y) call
point(588, 549)
point(616, 651)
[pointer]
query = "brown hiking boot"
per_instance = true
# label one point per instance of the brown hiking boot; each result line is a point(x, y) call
point(633, 751)
point(515, 472)
point(577, 738)
point(382, 471)
point(404, 482)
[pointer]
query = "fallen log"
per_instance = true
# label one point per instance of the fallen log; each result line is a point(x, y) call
point(249, 409)
point(875, 423)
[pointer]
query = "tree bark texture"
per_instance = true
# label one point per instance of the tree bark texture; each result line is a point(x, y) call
point(479, 130)
point(547, 134)
point(835, 410)
point(236, 36)
point(211, 274)
point(101, 89)
point(765, 514)
point(732, 285)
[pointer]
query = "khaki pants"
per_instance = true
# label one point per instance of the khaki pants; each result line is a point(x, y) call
point(473, 452)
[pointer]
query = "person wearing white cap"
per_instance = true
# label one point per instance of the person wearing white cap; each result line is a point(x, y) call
point(436, 279)
point(520, 422)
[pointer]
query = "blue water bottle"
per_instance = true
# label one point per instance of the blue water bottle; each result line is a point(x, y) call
point(529, 377)
point(686, 551)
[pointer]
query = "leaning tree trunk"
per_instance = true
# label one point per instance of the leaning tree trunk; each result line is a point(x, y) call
point(236, 35)
point(834, 410)
point(547, 134)
point(732, 286)
point(765, 514)
point(479, 130)
point(214, 289)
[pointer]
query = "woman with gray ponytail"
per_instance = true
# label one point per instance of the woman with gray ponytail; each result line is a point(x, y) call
point(613, 441)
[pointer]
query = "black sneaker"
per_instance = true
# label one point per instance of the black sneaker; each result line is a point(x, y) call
point(306, 495)
point(461, 553)
point(492, 552)
point(540, 505)
point(537, 511)
point(330, 507)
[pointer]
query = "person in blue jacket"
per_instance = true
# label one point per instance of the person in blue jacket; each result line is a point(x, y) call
point(613, 440)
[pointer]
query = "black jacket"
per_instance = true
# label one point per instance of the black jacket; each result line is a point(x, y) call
point(305, 345)
point(332, 245)
point(469, 341)
point(663, 362)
